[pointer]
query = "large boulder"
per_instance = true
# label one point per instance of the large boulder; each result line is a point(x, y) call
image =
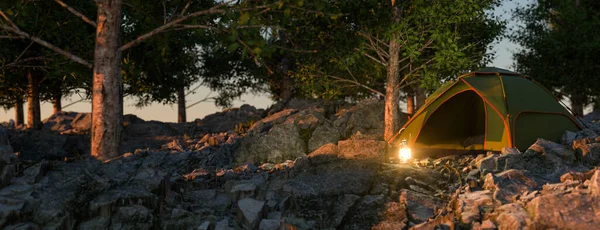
point(329, 211)
point(509, 185)
point(365, 213)
point(367, 118)
point(230, 118)
point(469, 206)
point(420, 207)
point(512, 216)
point(281, 143)
point(9, 165)
point(132, 217)
point(60, 121)
point(564, 211)
point(361, 149)
point(40, 145)
point(324, 134)
point(335, 178)
point(82, 122)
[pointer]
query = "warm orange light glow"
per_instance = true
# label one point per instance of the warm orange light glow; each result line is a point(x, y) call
point(405, 154)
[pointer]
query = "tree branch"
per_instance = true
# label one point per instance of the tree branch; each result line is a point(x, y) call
point(254, 55)
point(10, 37)
point(12, 24)
point(76, 13)
point(46, 44)
point(372, 58)
point(187, 5)
point(140, 39)
point(356, 83)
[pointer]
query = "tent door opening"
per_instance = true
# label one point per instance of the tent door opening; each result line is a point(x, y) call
point(459, 123)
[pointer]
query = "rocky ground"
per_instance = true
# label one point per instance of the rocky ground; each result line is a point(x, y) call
point(305, 165)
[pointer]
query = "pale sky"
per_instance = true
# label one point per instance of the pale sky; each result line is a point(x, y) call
point(168, 113)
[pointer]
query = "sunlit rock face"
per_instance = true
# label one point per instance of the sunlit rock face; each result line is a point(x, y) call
point(294, 167)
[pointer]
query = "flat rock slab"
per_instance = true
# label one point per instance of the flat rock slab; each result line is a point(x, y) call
point(250, 211)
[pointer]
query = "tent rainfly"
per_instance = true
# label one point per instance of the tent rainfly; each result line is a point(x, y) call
point(486, 110)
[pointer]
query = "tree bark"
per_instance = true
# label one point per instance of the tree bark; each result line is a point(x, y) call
point(577, 104)
point(181, 113)
point(392, 109)
point(33, 101)
point(286, 83)
point(420, 97)
point(410, 101)
point(106, 96)
point(19, 113)
point(56, 103)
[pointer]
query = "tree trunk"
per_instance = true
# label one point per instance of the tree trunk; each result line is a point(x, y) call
point(56, 103)
point(33, 101)
point(106, 96)
point(286, 84)
point(19, 113)
point(410, 101)
point(420, 97)
point(181, 113)
point(577, 104)
point(392, 110)
point(392, 93)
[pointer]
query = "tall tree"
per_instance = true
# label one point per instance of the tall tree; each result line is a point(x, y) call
point(107, 106)
point(389, 47)
point(560, 45)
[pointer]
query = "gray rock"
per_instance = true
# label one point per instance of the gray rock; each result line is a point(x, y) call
point(512, 216)
point(267, 123)
point(282, 142)
point(487, 164)
point(564, 211)
point(361, 149)
point(488, 225)
point(367, 118)
point(228, 119)
point(106, 203)
point(98, 223)
point(242, 190)
point(324, 134)
point(204, 226)
point(469, 205)
point(23, 226)
point(336, 178)
point(250, 212)
point(393, 217)
point(267, 224)
point(365, 213)
point(328, 211)
point(554, 150)
point(40, 145)
point(4, 137)
point(149, 177)
point(324, 154)
point(223, 225)
point(9, 165)
point(132, 217)
point(419, 207)
point(82, 122)
point(60, 121)
point(274, 216)
point(508, 185)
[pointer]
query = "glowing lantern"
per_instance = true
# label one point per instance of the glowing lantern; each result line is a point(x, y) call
point(404, 154)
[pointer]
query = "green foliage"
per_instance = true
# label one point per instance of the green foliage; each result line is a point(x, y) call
point(47, 21)
point(560, 44)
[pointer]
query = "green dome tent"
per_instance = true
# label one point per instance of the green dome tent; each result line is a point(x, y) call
point(486, 110)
